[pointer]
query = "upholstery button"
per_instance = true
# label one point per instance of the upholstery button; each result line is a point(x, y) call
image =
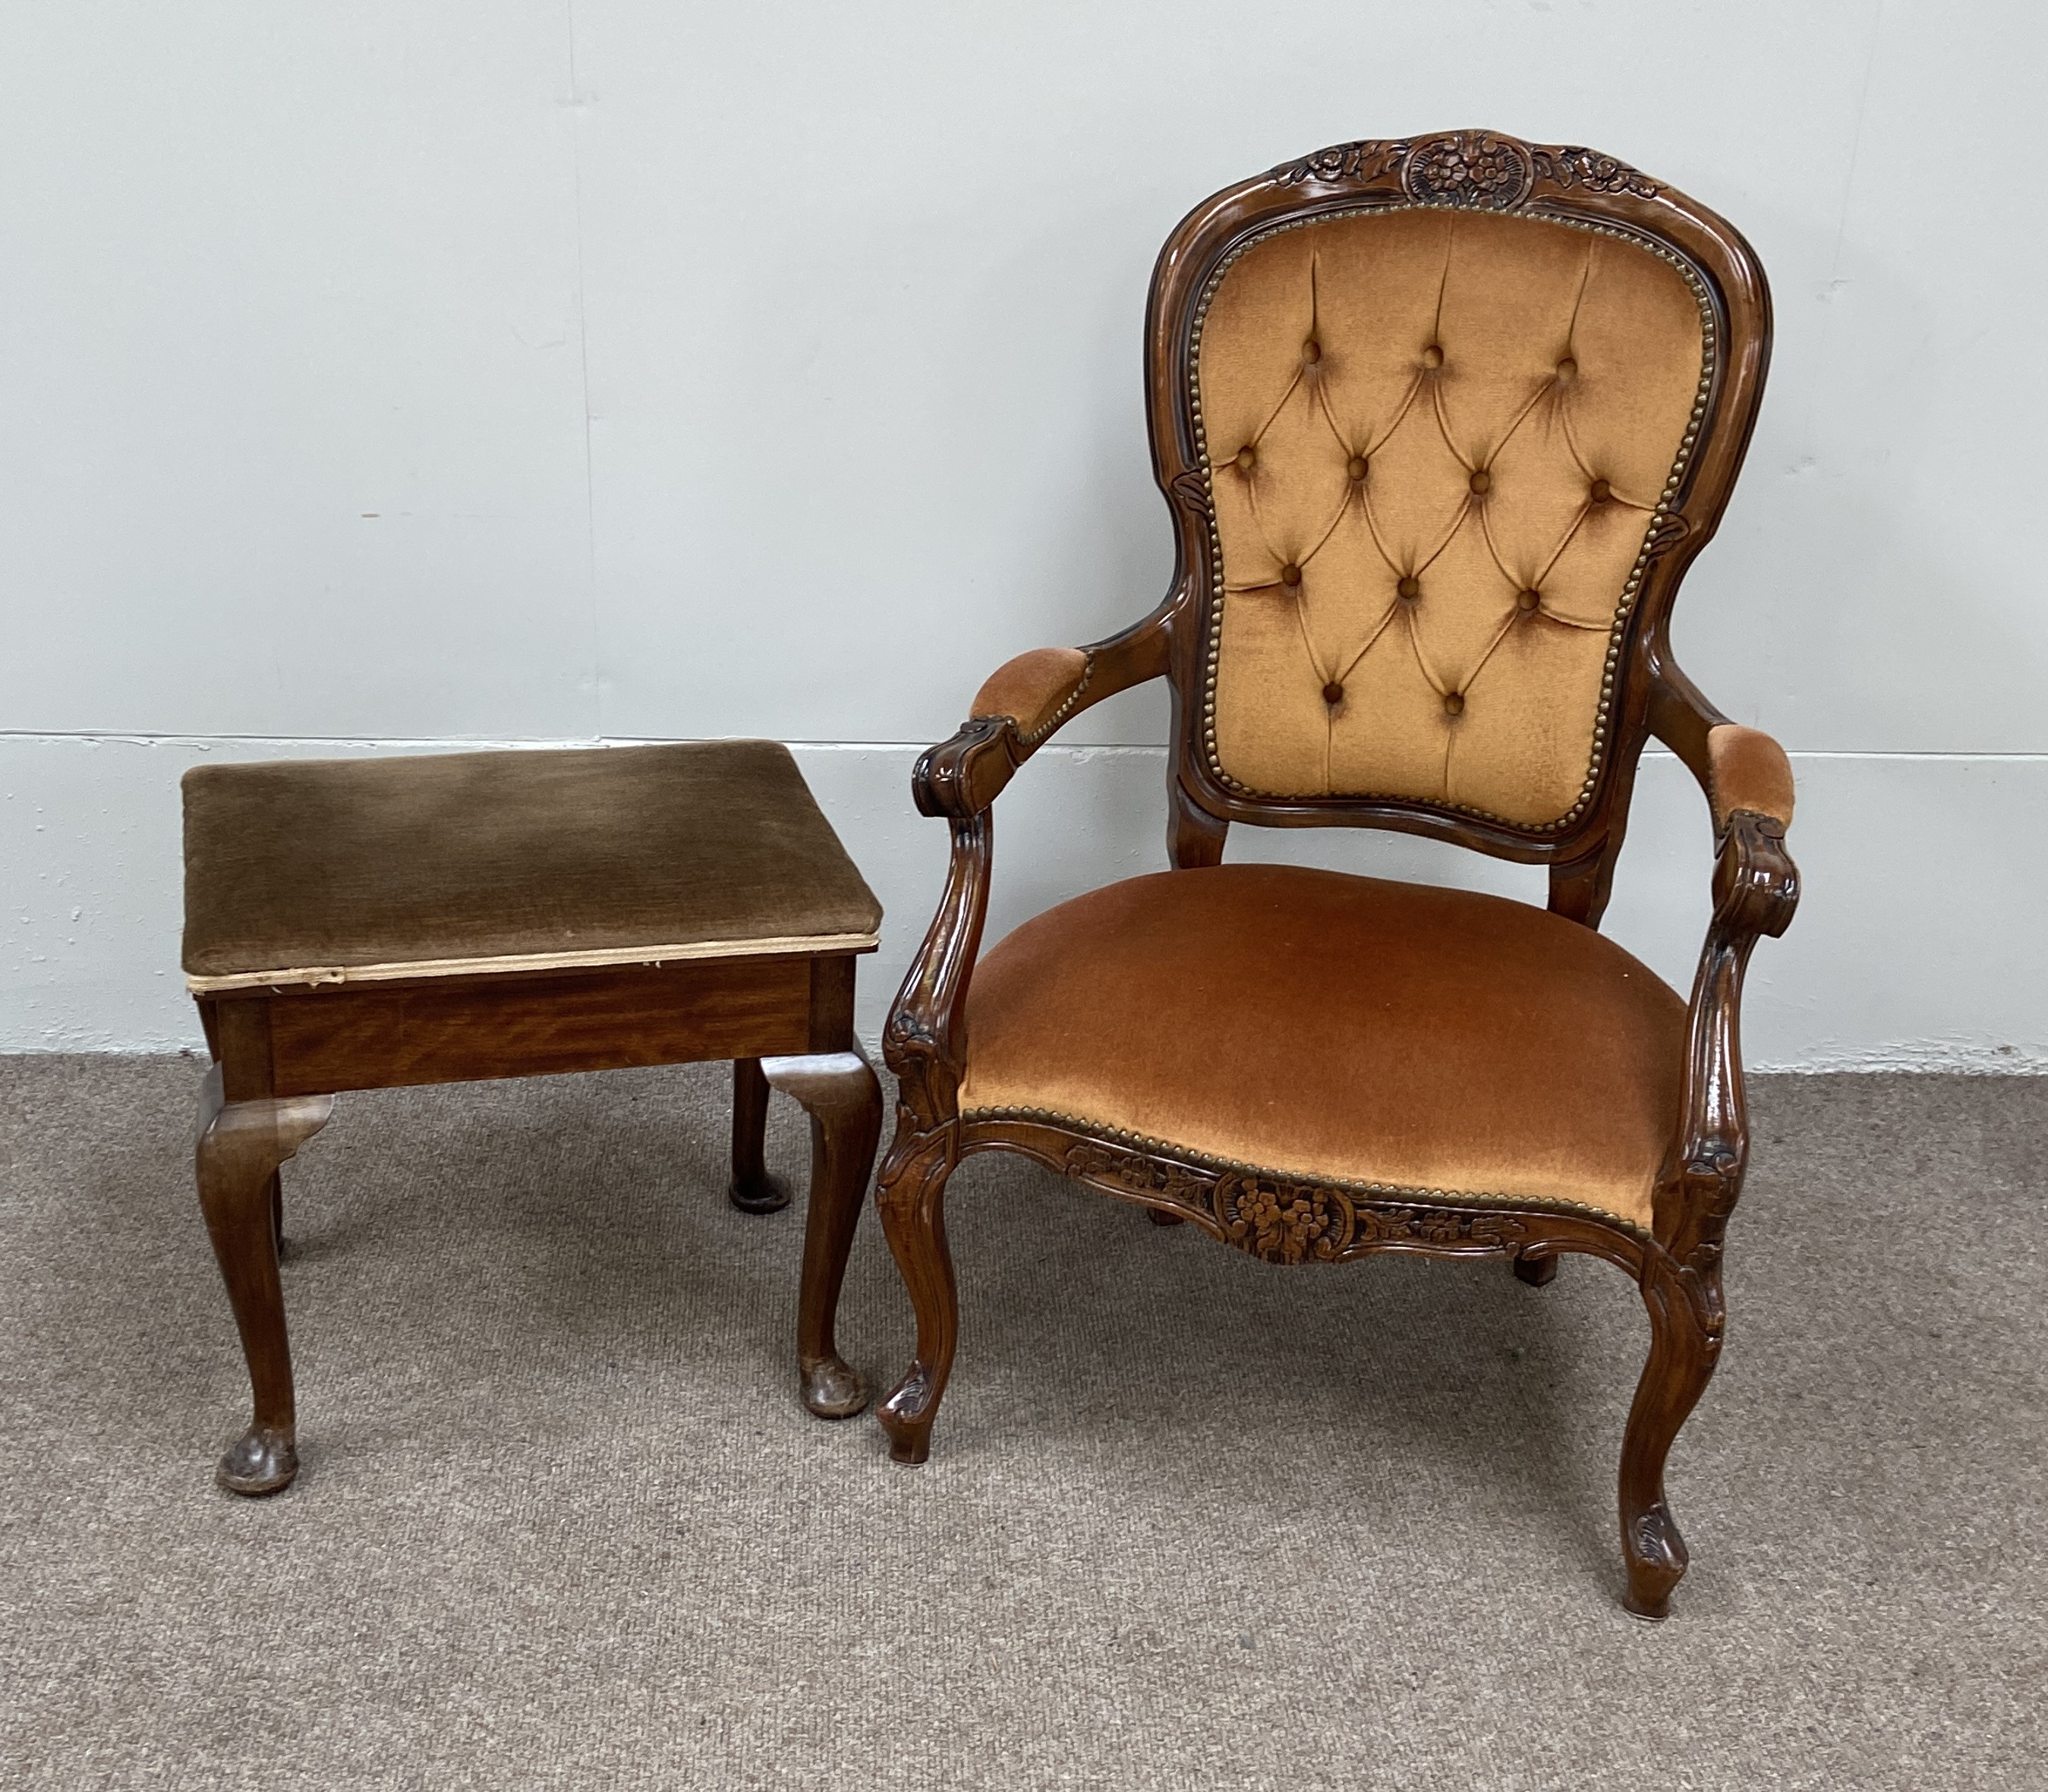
point(1527, 600)
point(1333, 693)
point(1357, 468)
point(1433, 356)
point(1290, 574)
point(1567, 370)
point(1410, 588)
point(1601, 491)
point(1481, 483)
point(1247, 458)
point(1454, 705)
point(1312, 352)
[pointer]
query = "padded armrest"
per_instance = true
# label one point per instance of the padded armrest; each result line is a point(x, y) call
point(1036, 690)
point(1747, 769)
point(1741, 769)
point(1022, 704)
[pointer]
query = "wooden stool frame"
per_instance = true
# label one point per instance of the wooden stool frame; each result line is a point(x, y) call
point(282, 1053)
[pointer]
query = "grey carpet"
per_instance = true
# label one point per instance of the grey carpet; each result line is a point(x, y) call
point(1190, 1521)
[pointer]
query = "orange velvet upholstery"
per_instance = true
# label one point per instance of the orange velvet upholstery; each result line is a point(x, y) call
point(1343, 1028)
point(1436, 442)
point(1749, 771)
point(1035, 689)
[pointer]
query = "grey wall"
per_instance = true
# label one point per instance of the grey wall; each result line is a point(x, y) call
point(385, 376)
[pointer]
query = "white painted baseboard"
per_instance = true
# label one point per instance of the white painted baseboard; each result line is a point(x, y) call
point(1919, 945)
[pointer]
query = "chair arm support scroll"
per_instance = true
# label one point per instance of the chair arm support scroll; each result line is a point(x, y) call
point(1748, 781)
point(1017, 710)
point(926, 1042)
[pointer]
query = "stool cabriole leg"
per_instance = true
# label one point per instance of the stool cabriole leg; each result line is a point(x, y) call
point(240, 1145)
point(840, 1091)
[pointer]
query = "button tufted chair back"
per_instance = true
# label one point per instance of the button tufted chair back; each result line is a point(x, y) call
point(1444, 418)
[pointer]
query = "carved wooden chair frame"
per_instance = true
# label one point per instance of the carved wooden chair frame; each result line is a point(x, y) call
point(1677, 1263)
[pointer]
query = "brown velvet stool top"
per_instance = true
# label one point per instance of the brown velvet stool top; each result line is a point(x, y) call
point(340, 870)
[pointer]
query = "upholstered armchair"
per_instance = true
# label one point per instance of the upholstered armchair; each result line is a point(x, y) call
point(1441, 423)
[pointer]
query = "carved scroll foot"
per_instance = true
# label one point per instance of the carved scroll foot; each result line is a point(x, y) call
point(1658, 1559)
point(752, 1189)
point(1539, 1272)
point(911, 1197)
point(240, 1145)
point(839, 1091)
point(1685, 1309)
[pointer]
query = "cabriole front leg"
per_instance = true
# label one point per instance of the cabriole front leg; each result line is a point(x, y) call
point(839, 1091)
point(1685, 1308)
point(241, 1144)
point(911, 1196)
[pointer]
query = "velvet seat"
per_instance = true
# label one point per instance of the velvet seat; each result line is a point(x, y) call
point(1441, 422)
point(1396, 1037)
point(348, 870)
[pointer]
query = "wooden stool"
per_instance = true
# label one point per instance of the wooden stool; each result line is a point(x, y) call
point(379, 923)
